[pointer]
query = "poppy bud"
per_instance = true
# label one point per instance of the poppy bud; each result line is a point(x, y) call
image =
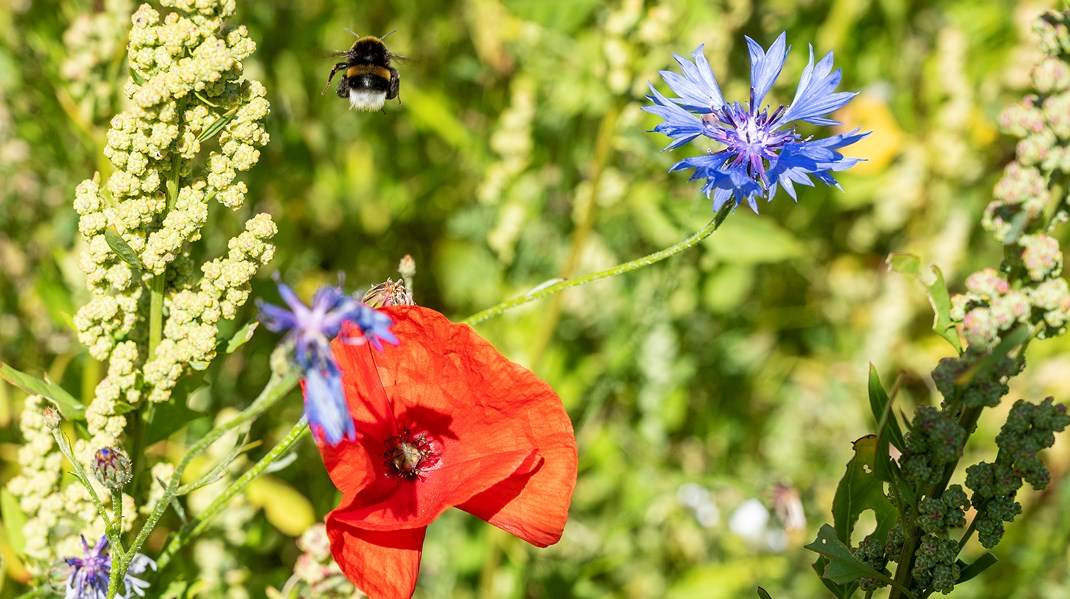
point(112, 468)
point(407, 267)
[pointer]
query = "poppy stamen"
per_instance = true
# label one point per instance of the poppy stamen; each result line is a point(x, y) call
point(408, 455)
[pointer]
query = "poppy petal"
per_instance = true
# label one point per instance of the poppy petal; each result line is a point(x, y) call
point(494, 404)
point(532, 505)
point(383, 564)
point(393, 503)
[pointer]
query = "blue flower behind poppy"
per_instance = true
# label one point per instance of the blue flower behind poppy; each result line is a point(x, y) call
point(762, 151)
point(310, 330)
point(90, 573)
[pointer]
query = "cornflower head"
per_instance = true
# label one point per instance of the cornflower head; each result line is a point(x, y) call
point(90, 574)
point(762, 150)
point(310, 329)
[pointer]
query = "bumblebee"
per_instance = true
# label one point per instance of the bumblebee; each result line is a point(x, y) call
point(369, 80)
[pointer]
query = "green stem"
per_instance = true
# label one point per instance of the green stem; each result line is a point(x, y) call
point(65, 447)
point(199, 524)
point(277, 387)
point(611, 272)
point(117, 524)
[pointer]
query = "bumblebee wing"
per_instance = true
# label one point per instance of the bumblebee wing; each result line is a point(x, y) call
point(395, 82)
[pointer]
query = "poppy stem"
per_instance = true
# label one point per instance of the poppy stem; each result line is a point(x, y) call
point(541, 292)
point(280, 384)
point(196, 526)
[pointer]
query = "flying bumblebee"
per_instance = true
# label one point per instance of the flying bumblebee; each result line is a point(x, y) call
point(369, 80)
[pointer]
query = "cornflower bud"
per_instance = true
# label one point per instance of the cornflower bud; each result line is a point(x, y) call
point(112, 468)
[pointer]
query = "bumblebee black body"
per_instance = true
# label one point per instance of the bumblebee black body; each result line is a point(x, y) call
point(367, 80)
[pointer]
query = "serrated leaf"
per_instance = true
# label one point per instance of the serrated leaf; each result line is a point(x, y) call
point(14, 519)
point(842, 566)
point(888, 430)
point(939, 298)
point(70, 407)
point(860, 490)
point(243, 336)
point(123, 250)
point(979, 565)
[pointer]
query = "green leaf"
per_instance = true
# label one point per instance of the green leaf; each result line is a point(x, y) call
point(860, 490)
point(842, 566)
point(170, 416)
point(284, 506)
point(243, 336)
point(766, 242)
point(14, 519)
point(123, 250)
point(979, 565)
point(136, 77)
point(763, 594)
point(70, 407)
point(217, 126)
point(887, 426)
point(939, 298)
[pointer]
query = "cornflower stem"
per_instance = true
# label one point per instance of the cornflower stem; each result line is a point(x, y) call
point(636, 264)
point(38, 592)
point(198, 525)
point(117, 523)
point(277, 387)
point(79, 472)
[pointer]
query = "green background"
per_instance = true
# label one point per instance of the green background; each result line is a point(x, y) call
point(518, 154)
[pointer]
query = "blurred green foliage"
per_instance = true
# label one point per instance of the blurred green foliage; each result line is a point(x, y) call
point(519, 153)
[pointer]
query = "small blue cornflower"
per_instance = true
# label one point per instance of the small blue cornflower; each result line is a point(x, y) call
point(90, 574)
point(762, 151)
point(310, 330)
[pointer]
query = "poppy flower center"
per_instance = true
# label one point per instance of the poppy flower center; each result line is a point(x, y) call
point(408, 455)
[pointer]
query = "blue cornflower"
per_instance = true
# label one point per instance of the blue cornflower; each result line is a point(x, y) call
point(311, 330)
point(762, 150)
point(90, 574)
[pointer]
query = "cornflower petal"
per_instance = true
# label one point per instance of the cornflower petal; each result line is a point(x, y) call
point(91, 573)
point(679, 123)
point(814, 97)
point(325, 407)
point(765, 67)
point(697, 87)
point(310, 331)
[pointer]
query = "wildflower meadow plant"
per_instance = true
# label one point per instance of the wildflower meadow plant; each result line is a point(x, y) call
point(762, 151)
point(160, 477)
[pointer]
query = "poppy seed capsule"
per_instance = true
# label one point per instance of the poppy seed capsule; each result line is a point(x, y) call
point(112, 468)
point(406, 455)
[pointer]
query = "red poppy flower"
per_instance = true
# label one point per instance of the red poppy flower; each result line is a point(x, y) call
point(443, 420)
